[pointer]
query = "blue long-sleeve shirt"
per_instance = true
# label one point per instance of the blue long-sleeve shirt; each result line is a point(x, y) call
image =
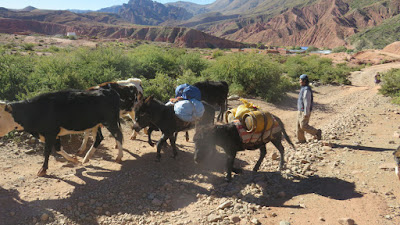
point(305, 100)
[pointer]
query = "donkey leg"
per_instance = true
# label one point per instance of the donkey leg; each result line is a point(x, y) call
point(172, 140)
point(229, 166)
point(278, 144)
point(263, 152)
point(160, 144)
point(149, 131)
point(132, 116)
point(187, 136)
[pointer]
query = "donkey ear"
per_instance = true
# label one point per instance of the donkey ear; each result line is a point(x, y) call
point(148, 99)
point(8, 108)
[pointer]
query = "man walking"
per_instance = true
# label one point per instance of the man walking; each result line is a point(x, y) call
point(304, 106)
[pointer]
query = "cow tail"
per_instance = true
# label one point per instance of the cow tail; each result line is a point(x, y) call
point(287, 138)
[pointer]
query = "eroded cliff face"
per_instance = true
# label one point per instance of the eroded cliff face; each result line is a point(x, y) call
point(183, 37)
point(147, 12)
point(324, 24)
point(14, 26)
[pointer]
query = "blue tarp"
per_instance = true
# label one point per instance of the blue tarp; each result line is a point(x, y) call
point(189, 110)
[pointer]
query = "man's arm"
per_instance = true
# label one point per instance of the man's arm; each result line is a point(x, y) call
point(307, 102)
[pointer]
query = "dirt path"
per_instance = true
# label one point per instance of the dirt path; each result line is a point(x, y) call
point(347, 175)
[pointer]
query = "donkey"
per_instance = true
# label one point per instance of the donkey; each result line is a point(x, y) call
point(227, 136)
point(155, 113)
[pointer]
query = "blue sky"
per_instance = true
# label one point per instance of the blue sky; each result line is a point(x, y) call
point(77, 4)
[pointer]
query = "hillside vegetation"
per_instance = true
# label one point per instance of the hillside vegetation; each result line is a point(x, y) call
point(391, 85)
point(160, 68)
point(379, 36)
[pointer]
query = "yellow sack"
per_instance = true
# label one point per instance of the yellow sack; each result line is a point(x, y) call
point(252, 118)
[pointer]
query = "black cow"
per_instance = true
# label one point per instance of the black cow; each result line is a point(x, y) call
point(214, 93)
point(156, 114)
point(131, 95)
point(51, 115)
point(227, 137)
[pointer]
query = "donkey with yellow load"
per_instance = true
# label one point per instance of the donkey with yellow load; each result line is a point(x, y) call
point(247, 127)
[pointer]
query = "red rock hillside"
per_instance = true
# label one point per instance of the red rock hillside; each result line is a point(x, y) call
point(324, 24)
point(183, 37)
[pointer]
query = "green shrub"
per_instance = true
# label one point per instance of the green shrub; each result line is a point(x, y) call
point(312, 49)
point(149, 60)
point(53, 48)
point(318, 69)
point(217, 53)
point(189, 77)
point(162, 87)
point(390, 85)
point(28, 46)
point(249, 74)
point(14, 74)
point(193, 62)
point(339, 49)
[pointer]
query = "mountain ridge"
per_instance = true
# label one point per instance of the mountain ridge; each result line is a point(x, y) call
point(320, 23)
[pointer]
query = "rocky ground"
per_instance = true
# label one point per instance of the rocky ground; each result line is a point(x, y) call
point(346, 178)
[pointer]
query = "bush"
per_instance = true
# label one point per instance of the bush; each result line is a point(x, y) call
point(217, 53)
point(54, 49)
point(318, 69)
point(14, 74)
point(28, 46)
point(192, 62)
point(249, 74)
point(162, 87)
point(149, 60)
point(390, 85)
point(339, 49)
point(312, 49)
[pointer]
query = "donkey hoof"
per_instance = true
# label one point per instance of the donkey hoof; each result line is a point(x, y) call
point(237, 170)
point(228, 179)
point(42, 172)
point(118, 161)
point(151, 144)
point(133, 137)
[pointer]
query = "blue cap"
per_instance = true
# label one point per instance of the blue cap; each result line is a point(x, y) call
point(304, 77)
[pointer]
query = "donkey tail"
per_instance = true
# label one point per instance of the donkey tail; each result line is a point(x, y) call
point(287, 138)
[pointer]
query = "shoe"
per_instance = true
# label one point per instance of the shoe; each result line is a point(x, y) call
point(319, 134)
